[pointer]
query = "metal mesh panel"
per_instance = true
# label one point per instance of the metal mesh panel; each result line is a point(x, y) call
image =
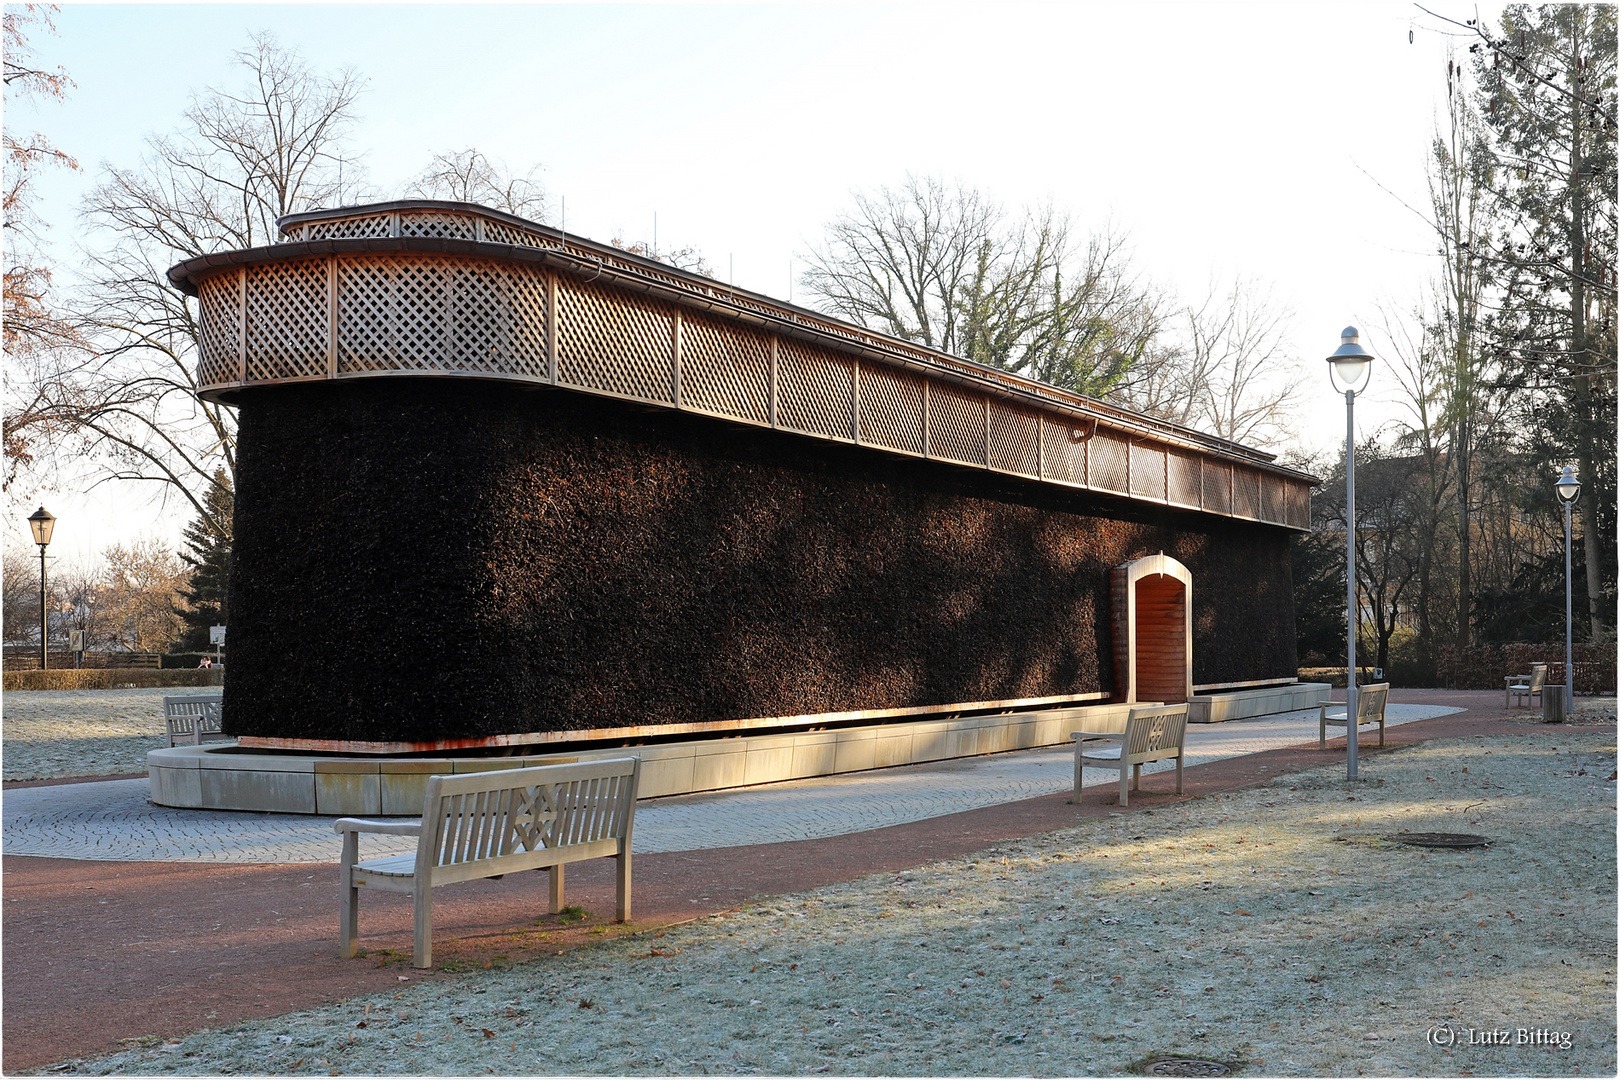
point(1147, 472)
point(441, 314)
point(454, 226)
point(1065, 455)
point(1013, 435)
point(608, 342)
point(1245, 493)
point(346, 228)
point(891, 408)
point(286, 313)
point(1108, 463)
point(815, 390)
point(1297, 504)
point(221, 330)
point(725, 370)
point(1184, 479)
point(956, 424)
point(1217, 487)
point(1271, 508)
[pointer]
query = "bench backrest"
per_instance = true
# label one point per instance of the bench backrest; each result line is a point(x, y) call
point(471, 817)
point(1538, 676)
point(1370, 700)
point(192, 716)
point(1153, 728)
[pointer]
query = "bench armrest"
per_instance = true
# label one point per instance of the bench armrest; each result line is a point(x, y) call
point(366, 825)
point(1117, 736)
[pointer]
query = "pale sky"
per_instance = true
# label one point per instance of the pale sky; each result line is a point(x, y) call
point(1224, 139)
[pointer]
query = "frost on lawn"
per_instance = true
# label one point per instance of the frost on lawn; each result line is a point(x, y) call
point(1271, 927)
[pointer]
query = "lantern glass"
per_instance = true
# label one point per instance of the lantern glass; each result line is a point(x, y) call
point(42, 521)
point(1349, 361)
point(1568, 486)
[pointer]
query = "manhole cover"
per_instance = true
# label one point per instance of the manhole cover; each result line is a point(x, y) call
point(1182, 1066)
point(1440, 839)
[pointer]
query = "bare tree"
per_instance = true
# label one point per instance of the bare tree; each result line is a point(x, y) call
point(471, 176)
point(1222, 367)
point(42, 347)
point(945, 267)
point(242, 159)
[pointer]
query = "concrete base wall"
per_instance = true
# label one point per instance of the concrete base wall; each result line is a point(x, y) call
point(215, 778)
point(1238, 704)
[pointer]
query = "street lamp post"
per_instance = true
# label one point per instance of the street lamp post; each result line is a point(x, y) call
point(42, 521)
point(1569, 489)
point(1349, 368)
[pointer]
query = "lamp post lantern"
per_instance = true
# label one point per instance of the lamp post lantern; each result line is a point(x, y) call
point(42, 521)
point(1348, 369)
point(1569, 489)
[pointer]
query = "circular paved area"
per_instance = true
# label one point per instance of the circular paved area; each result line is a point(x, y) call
point(112, 820)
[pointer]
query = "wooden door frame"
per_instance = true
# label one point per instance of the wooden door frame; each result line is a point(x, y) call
point(1123, 598)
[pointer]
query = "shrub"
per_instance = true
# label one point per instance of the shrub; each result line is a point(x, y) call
point(110, 678)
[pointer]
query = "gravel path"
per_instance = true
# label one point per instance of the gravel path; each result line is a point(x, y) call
point(50, 733)
point(114, 820)
point(1268, 927)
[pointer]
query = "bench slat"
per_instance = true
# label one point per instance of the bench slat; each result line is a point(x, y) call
point(487, 824)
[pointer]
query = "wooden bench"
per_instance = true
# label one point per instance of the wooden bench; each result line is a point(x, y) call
point(1152, 733)
point(194, 720)
point(1370, 701)
point(489, 824)
point(1525, 686)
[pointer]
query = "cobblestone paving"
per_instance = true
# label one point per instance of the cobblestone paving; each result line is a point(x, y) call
point(112, 820)
point(50, 733)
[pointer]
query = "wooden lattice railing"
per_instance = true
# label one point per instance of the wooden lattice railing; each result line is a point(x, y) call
point(446, 289)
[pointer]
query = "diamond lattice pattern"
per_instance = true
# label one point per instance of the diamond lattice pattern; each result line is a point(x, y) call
point(1147, 472)
point(347, 228)
point(429, 313)
point(1013, 435)
point(453, 226)
point(955, 424)
point(1186, 486)
point(1245, 493)
point(725, 370)
point(1065, 455)
point(1108, 463)
point(286, 313)
point(815, 390)
point(220, 344)
point(605, 342)
point(891, 409)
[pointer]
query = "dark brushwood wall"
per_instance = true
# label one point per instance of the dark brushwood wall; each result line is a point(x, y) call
point(426, 559)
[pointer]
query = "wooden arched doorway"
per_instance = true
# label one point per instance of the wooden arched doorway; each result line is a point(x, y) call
point(1152, 623)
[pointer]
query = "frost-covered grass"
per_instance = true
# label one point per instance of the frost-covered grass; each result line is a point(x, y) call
point(1269, 927)
point(49, 733)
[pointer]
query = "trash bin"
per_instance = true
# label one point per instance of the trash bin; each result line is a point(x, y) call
point(1552, 704)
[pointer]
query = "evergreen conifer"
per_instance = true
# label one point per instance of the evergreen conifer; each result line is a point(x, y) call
point(208, 553)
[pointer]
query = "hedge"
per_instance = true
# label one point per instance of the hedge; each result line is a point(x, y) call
point(1482, 667)
point(109, 678)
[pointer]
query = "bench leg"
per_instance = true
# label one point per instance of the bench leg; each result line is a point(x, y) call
point(422, 953)
point(1178, 771)
point(556, 888)
point(1380, 731)
point(1124, 784)
point(623, 913)
point(1078, 770)
point(348, 898)
point(1136, 777)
